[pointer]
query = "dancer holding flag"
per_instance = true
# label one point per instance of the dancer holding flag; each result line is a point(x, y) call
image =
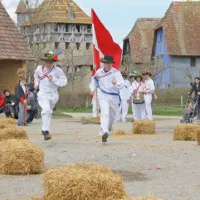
point(48, 78)
point(107, 79)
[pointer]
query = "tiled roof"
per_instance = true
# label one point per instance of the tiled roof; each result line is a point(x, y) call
point(181, 25)
point(57, 11)
point(21, 7)
point(12, 44)
point(141, 39)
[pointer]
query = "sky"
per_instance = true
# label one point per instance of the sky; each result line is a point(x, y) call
point(118, 16)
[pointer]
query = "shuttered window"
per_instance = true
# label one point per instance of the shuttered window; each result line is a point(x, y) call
point(193, 62)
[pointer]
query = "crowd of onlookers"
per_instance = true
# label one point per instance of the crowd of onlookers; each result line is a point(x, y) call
point(22, 105)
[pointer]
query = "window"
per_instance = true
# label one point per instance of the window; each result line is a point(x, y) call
point(89, 29)
point(193, 62)
point(78, 46)
point(67, 28)
point(56, 45)
point(168, 85)
point(67, 45)
point(87, 45)
point(56, 28)
point(78, 28)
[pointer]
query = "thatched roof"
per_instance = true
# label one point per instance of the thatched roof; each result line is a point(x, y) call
point(12, 44)
point(59, 11)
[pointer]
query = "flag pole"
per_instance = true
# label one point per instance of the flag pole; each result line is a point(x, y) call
point(94, 67)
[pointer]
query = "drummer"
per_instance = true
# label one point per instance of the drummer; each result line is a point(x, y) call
point(138, 105)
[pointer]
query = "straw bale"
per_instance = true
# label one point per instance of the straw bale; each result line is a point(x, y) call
point(20, 157)
point(120, 132)
point(13, 133)
point(90, 120)
point(186, 132)
point(144, 127)
point(8, 121)
point(83, 181)
point(198, 138)
point(2, 126)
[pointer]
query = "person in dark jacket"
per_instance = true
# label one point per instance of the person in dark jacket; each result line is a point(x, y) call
point(10, 105)
point(196, 90)
point(34, 91)
point(31, 109)
point(21, 93)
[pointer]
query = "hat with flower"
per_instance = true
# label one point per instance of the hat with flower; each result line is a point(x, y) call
point(50, 57)
point(124, 72)
point(146, 72)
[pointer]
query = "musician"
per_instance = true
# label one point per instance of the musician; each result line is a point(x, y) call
point(125, 94)
point(48, 78)
point(109, 82)
point(138, 98)
point(149, 90)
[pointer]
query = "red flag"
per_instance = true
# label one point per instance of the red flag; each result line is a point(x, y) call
point(103, 44)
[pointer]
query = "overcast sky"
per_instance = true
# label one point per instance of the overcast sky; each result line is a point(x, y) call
point(118, 16)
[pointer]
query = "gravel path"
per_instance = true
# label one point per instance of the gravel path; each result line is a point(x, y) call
point(135, 158)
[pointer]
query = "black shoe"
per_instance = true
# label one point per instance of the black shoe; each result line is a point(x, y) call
point(104, 137)
point(47, 136)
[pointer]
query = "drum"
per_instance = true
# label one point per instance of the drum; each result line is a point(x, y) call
point(138, 98)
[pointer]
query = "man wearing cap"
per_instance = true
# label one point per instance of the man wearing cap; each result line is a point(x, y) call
point(109, 82)
point(48, 78)
point(149, 90)
point(125, 94)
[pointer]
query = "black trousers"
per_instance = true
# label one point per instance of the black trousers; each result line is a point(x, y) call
point(31, 115)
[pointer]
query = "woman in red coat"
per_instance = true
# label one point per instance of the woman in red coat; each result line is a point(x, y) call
point(2, 107)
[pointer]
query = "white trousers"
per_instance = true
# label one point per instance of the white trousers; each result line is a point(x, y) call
point(47, 102)
point(148, 108)
point(109, 110)
point(95, 108)
point(139, 111)
point(123, 110)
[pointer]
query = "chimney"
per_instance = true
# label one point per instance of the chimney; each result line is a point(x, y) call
point(71, 13)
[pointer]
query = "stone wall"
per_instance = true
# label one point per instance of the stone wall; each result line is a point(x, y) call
point(8, 76)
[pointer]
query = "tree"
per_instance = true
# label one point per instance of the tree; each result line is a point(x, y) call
point(155, 65)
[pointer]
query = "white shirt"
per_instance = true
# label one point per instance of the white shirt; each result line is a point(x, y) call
point(125, 92)
point(149, 86)
point(105, 81)
point(50, 86)
point(139, 86)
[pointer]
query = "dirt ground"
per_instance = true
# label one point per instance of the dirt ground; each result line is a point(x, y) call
point(134, 157)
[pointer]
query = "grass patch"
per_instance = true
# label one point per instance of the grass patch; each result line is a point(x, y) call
point(166, 110)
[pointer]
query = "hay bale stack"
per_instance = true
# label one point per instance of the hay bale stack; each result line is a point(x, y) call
point(144, 127)
point(82, 181)
point(2, 126)
point(20, 157)
point(186, 132)
point(120, 132)
point(6, 121)
point(13, 133)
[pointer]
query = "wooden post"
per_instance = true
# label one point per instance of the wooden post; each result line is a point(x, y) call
point(181, 101)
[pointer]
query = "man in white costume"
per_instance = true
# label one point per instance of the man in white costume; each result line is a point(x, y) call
point(48, 78)
point(125, 94)
point(109, 82)
point(149, 90)
point(138, 105)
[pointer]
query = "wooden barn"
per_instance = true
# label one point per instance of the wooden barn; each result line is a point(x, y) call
point(14, 51)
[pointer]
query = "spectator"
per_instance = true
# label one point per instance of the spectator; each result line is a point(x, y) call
point(2, 107)
point(21, 93)
point(10, 105)
point(34, 91)
point(31, 109)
